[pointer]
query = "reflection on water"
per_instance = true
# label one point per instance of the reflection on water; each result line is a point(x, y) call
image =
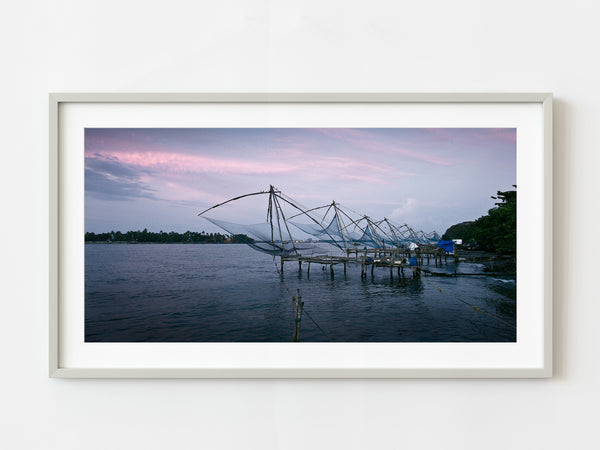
point(230, 293)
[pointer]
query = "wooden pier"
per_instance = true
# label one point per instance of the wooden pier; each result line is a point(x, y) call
point(393, 259)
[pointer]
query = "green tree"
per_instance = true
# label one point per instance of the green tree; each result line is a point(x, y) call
point(463, 230)
point(496, 231)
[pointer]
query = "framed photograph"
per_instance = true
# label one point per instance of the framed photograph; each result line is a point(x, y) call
point(300, 235)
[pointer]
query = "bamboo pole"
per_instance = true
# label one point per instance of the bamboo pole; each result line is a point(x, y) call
point(299, 305)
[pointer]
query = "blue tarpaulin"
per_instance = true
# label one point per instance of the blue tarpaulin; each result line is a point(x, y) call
point(447, 246)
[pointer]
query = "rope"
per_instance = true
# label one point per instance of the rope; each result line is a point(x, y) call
point(316, 324)
point(476, 308)
point(304, 311)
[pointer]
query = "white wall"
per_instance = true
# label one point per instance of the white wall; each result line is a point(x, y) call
point(347, 46)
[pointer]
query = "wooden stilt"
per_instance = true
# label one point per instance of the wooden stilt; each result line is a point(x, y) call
point(299, 305)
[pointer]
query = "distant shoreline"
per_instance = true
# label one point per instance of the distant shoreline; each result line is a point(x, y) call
point(162, 237)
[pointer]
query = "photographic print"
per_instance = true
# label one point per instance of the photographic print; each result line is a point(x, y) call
point(300, 235)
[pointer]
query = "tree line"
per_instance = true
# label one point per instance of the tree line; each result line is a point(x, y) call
point(189, 237)
point(496, 231)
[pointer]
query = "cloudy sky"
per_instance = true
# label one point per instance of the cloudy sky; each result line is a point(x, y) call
point(160, 179)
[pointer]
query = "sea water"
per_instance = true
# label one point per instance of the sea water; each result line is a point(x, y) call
point(232, 293)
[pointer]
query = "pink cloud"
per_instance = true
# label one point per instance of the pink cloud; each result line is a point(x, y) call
point(507, 135)
point(475, 136)
point(185, 163)
point(367, 179)
point(338, 162)
point(373, 144)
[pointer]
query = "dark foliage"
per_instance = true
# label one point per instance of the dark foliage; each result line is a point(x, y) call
point(189, 237)
point(463, 230)
point(496, 231)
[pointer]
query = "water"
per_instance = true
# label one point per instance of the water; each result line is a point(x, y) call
point(231, 293)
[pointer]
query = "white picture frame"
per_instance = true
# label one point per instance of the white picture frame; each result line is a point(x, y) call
point(70, 357)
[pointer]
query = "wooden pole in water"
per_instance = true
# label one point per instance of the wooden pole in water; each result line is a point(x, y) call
point(299, 304)
point(299, 266)
point(455, 259)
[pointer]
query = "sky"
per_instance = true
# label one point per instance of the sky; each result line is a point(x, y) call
point(161, 178)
